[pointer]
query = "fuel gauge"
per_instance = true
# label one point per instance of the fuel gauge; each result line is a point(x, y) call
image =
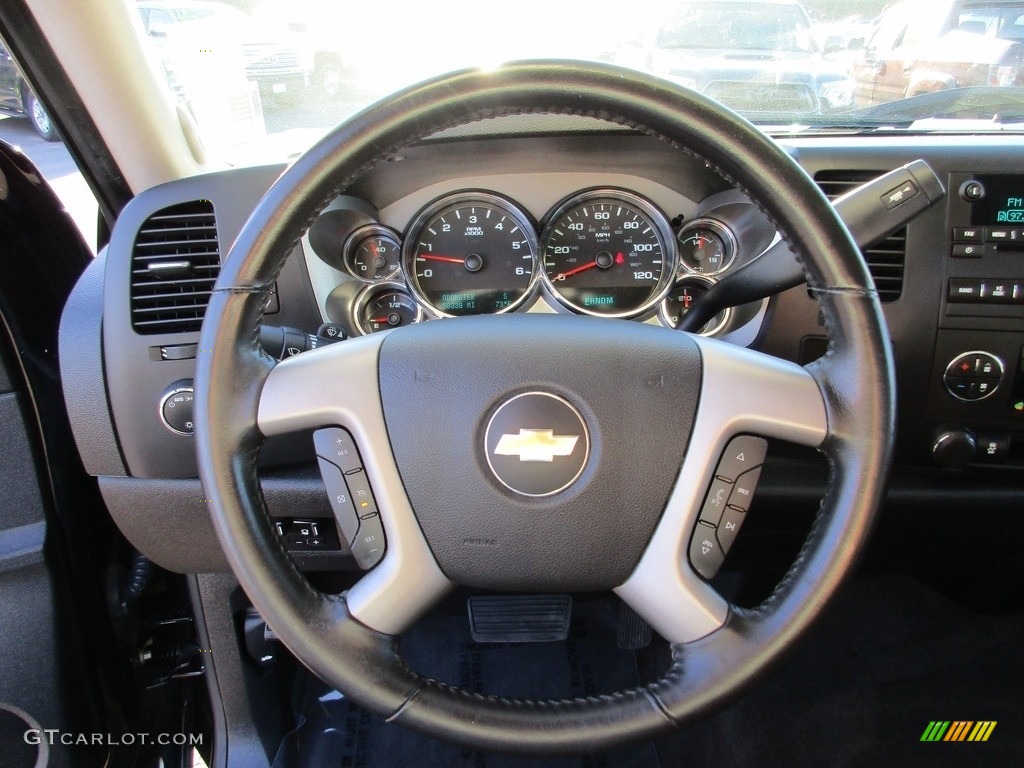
point(706, 247)
point(384, 306)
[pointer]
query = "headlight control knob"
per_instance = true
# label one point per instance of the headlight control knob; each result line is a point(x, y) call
point(176, 410)
point(954, 449)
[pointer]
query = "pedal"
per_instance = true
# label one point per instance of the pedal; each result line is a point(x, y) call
point(634, 633)
point(519, 618)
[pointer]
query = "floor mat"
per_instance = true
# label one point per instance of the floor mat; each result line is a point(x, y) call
point(336, 732)
point(887, 659)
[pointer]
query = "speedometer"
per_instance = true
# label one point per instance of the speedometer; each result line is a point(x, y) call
point(471, 253)
point(608, 252)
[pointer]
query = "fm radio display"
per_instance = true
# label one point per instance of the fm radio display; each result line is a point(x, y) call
point(1003, 202)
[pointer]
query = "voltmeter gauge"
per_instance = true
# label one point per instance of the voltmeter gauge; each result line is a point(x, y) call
point(706, 247)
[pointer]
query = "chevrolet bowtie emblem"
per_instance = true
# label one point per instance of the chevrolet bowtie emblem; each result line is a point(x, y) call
point(535, 445)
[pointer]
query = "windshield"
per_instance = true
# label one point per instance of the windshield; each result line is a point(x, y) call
point(738, 27)
point(260, 80)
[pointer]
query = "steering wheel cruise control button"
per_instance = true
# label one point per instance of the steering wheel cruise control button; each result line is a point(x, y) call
point(362, 496)
point(337, 446)
point(341, 500)
point(351, 497)
point(743, 453)
point(368, 547)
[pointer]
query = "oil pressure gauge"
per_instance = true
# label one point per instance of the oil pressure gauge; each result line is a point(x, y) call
point(373, 253)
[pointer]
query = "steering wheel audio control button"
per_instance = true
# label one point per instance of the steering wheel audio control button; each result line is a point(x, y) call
point(728, 498)
point(706, 553)
point(337, 446)
point(714, 503)
point(368, 547)
point(341, 500)
point(743, 491)
point(742, 454)
point(729, 527)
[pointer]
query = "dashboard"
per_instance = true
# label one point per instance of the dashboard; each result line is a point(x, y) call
point(515, 217)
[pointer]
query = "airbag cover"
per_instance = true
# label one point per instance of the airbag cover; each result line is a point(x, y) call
point(636, 388)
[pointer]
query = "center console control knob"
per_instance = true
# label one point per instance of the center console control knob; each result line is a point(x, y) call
point(954, 449)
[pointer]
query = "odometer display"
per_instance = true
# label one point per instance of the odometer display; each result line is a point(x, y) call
point(471, 253)
point(609, 253)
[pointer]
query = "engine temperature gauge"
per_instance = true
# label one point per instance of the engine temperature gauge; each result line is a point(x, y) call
point(681, 299)
point(384, 306)
point(706, 247)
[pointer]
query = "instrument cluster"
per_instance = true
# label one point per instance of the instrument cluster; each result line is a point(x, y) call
point(603, 251)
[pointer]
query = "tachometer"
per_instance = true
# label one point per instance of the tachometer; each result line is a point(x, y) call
point(471, 253)
point(608, 252)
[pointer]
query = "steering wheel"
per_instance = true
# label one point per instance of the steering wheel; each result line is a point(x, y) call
point(654, 408)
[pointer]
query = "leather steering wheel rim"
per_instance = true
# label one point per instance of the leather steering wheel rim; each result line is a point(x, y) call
point(320, 629)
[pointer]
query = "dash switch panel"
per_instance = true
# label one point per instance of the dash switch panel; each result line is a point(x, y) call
point(726, 503)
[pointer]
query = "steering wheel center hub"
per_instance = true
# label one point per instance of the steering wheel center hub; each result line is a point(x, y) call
point(537, 444)
point(560, 454)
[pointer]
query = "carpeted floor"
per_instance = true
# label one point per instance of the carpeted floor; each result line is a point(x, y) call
point(891, 656)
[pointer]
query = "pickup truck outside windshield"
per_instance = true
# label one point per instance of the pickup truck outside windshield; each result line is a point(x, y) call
point(265, 79)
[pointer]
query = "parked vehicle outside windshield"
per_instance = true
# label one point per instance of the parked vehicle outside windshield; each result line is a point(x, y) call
point(924, 47)
point(780, 63)
point(757, 57)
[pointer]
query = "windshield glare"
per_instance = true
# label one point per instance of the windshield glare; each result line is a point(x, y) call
point(264, 79)
point(732, 26)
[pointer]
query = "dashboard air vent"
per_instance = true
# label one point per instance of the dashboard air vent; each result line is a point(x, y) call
point(175, 263)
point(885, 259)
